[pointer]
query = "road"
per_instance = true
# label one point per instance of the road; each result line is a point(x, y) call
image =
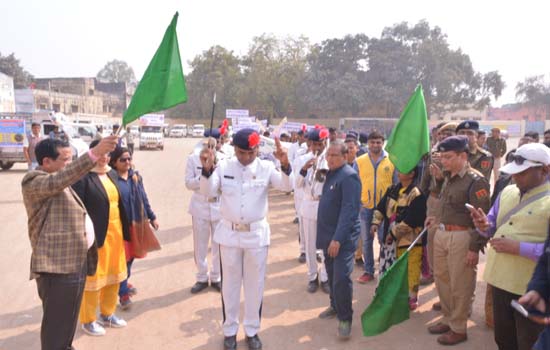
point(166, 315)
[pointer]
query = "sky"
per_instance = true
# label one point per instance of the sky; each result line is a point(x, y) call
point(75, 38)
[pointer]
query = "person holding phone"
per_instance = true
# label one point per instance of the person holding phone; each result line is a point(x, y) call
point(538, 295)
point(518, 225)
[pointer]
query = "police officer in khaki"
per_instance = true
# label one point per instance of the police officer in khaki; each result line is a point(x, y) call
point(456, 243)
point(428, 186)
point(479, 159)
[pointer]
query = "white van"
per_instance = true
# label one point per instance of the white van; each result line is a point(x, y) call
point(198, 130)
point(178, 130)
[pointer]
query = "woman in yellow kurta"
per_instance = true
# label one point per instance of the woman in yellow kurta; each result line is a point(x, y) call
point(101, 197)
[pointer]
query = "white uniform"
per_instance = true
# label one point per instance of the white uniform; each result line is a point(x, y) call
point(298, 196)
point(296, 150)
point(205, 212)
point(243, 235)
point(228, 150)
point(308, 214)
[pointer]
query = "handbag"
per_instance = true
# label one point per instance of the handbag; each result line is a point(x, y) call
point(142, 238)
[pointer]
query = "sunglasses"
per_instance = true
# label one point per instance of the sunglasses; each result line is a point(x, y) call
point(123, 160)
point(519, 160)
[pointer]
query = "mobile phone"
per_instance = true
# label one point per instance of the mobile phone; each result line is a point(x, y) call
point(531, 313)
point(469, 206)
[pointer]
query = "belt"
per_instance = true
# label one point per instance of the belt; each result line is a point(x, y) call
point(240, 227)
point(204, 198)
point(449, 227)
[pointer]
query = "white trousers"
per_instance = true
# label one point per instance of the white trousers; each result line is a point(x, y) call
point(310, 233)
point(203, 231)
point(302, 234)
point(242, 267)
point(297, 203)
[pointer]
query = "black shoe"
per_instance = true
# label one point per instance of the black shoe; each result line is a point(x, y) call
point(216, 285)
point(198, 287)
point(325, 287)
point(230, 343)
point(254, 342)
point(312, 286)
point(319, 260)
point(296, 220)
point(302, 258)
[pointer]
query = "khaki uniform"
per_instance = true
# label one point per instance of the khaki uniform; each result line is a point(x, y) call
point(455, 282)
point(429, 187)
point(482, 161)
point(497, 147)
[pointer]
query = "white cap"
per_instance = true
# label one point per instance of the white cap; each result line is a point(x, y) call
point(533, 154)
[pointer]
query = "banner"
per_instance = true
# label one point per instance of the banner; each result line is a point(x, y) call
point(12, 133)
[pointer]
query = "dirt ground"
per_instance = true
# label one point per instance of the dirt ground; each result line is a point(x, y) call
point(166, 315)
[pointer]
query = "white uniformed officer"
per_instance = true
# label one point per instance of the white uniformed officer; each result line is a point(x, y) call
point(205, 213)
point(242, 182)
point(299, 195)
point(305, 178)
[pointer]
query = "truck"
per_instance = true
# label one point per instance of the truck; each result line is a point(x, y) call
point(151, 134)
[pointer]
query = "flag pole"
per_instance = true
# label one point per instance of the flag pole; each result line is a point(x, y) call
point(212, 116)
point(417, 238)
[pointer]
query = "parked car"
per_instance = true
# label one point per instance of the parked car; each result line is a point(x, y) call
point(198, 130)
point(178, 130)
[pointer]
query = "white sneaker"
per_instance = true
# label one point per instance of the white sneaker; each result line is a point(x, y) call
point(93, 329)
point(112, 321)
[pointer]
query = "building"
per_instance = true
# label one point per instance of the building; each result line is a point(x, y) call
point(519, 111)
point(76, 95)
point(7, 94)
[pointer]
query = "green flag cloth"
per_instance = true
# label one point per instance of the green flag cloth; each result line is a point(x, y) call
point(390, 305)
point(162, 85)
point(410, 138)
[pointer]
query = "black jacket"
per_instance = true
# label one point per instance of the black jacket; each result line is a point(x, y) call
point(93, 195)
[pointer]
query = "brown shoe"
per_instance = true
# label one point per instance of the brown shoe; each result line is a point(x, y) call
point(436, 306)
point(452, 338)
point(439, 328)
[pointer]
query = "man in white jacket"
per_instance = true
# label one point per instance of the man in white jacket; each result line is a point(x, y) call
point(242, 183)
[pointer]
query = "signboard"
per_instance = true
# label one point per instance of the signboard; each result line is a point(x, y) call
point(240, 123)
point(12, 133)
point(292, 126)
point(151, 120)
point(236, 113)
point(24, 101)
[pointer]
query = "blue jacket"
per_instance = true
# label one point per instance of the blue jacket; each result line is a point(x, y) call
point(540, 282)
point(338, 214)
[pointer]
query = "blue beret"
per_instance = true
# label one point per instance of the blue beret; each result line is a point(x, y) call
point(241, 139)
point(363, 137)
point(315, 135)
point(457, 143)
point(215, 133)
point(468, 125)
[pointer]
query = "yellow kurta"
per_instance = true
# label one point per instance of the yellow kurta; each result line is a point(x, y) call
point(111, 264)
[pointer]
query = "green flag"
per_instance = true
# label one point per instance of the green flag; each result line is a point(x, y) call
point(162, 85)
point(410, 138)
point(390, 305)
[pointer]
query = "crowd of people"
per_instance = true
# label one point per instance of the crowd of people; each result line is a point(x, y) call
point(347, 193)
